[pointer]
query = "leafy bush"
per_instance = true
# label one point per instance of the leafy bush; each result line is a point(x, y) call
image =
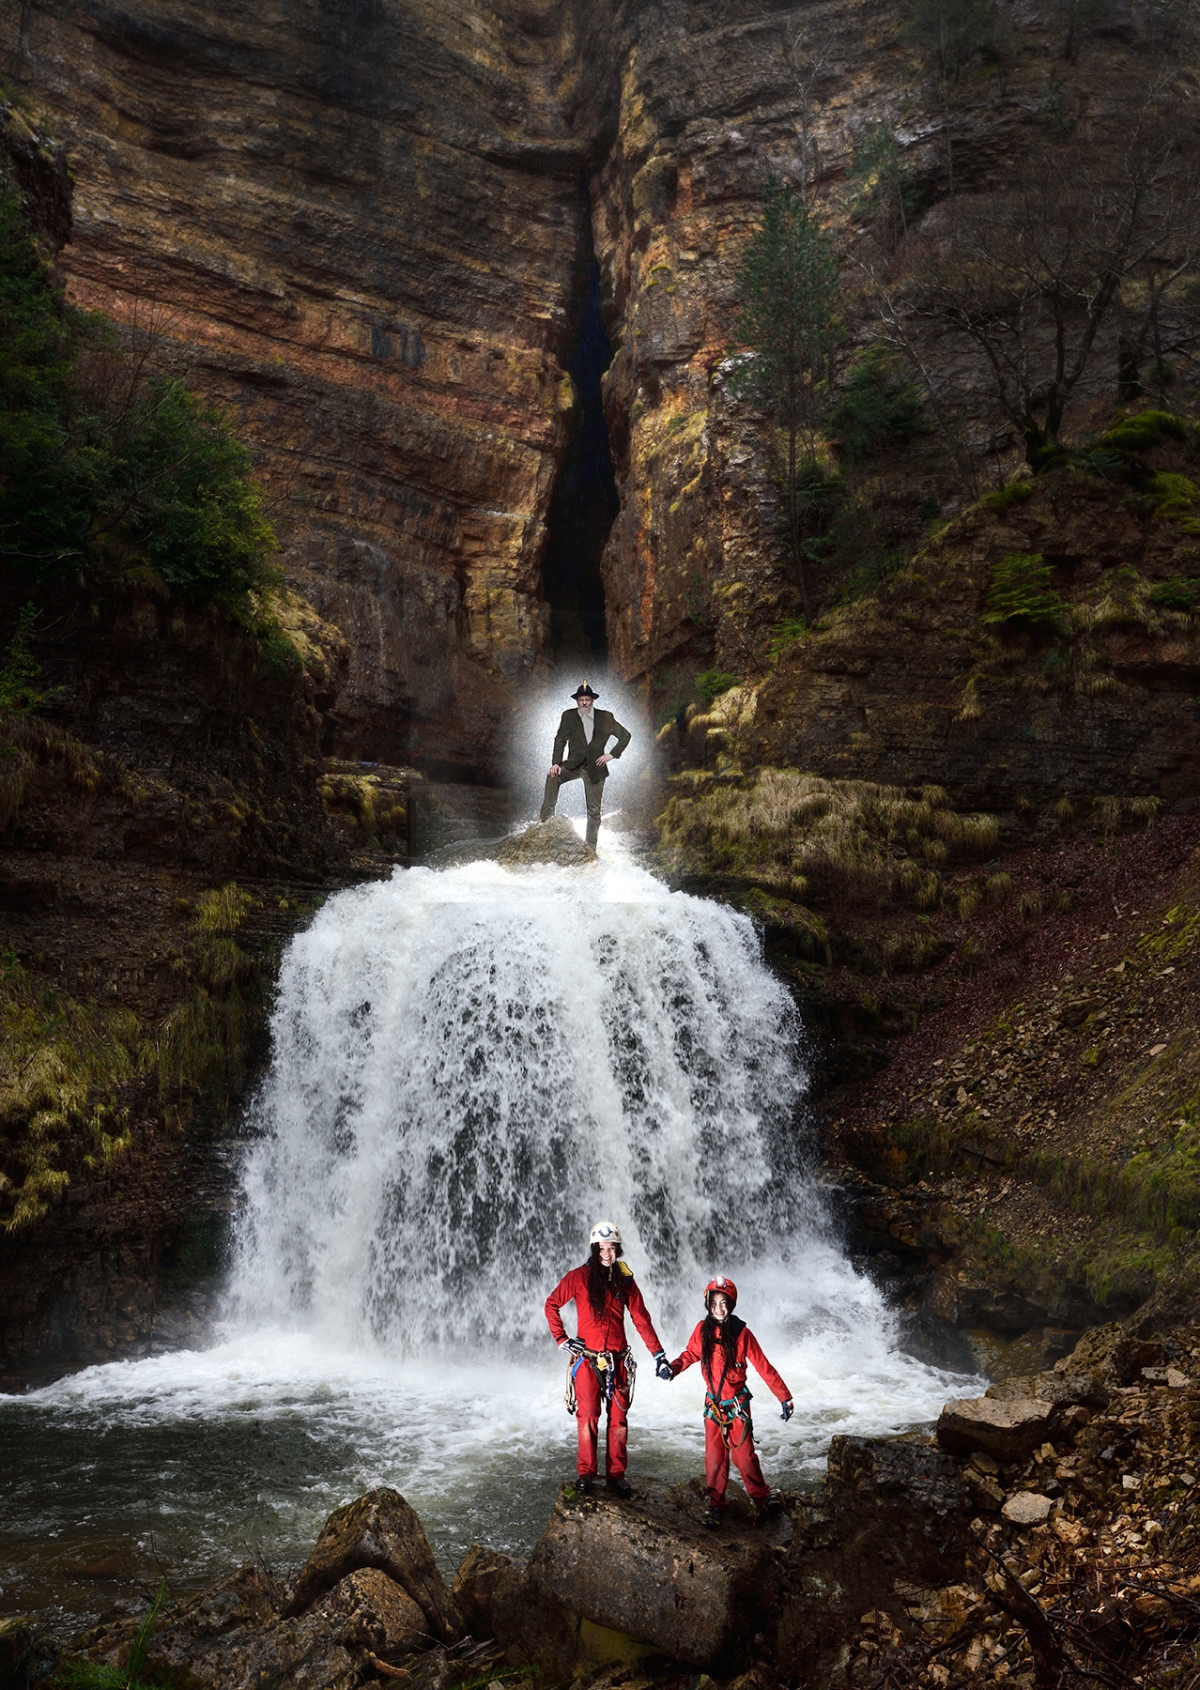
point(1143, 431)
point(879, 407)
point(1019, 594)
point(106, 467)
point(1177, 594)
point(711, 683)
point(1016, 493)
point(21, 670)
point(887, 194)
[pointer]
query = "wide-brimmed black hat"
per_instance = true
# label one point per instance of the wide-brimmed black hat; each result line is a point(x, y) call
point(584, 690)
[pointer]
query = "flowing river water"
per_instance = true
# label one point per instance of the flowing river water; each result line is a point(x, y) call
point(469, 1067)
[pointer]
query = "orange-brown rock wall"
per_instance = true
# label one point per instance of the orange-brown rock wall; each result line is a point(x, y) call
point(357, 224)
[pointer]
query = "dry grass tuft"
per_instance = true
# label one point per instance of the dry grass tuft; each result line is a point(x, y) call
point(63, 1065)
point(855, 839)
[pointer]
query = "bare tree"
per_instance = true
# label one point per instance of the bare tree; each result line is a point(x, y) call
point(1040, 279)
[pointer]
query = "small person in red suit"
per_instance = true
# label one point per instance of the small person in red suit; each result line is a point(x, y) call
point(724, 1346)
point(602, 1369)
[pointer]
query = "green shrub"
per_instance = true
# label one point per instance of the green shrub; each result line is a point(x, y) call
point(711, 683)
point(879, 407)
point(99, 1675)
point(107, 468)
point(20, 670)
point(1147, 429)
point(1016, 493)
point(1177, 594)
point(1019, 594)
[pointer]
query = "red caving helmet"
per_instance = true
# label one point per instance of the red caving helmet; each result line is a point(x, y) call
point(720, 1283)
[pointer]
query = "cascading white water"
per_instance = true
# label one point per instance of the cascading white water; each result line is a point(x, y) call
point(471, 1066)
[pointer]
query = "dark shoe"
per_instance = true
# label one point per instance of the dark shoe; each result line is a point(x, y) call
point(771, 1509)
point(715, 1518)
point(620, 1487)
point(585, 1487)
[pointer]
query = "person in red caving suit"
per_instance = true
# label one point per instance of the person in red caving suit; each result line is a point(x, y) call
point(602, 1367)
point(724, 1346)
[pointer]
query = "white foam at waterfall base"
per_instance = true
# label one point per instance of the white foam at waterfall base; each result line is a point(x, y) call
point(468, 1068)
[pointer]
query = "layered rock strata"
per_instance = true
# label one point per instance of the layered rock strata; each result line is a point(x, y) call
point(358, 229)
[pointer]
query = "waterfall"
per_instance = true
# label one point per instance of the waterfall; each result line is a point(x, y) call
point(468, 1069)
point(471, 1066)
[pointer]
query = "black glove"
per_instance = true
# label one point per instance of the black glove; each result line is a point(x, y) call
point(575, 1345)
point(789, 1408)
point(662, 1366)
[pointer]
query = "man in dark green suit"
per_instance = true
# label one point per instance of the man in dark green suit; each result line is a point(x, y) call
point(579, 754)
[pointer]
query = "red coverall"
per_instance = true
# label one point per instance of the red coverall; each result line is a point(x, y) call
point(725, 1434)
point(604, 1333)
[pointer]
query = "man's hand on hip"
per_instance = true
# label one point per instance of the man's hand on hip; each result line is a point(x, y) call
point(604, 757)
point(556, 769)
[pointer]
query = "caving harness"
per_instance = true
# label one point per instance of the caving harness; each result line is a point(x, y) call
point(607, 1364)
point(725, 1412)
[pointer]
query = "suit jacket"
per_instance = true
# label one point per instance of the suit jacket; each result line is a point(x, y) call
point(572, 751)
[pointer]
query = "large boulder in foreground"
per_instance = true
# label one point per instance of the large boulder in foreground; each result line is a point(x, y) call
point(379, 1530)
point(649, 1568)
point(501, 1600)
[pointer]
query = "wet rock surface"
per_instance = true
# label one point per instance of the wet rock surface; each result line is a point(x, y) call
point(379, 1531)
point(651, 1569)
point(1006, 1430)
point(554, 841)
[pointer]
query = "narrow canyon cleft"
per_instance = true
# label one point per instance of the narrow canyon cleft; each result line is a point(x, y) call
point(469, 1066)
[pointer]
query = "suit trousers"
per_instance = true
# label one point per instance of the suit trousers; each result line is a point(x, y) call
point(593, 791)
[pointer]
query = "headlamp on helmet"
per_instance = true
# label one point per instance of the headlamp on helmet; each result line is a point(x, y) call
point(726, 1286)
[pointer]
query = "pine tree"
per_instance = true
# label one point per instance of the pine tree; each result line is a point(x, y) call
point(788, 287)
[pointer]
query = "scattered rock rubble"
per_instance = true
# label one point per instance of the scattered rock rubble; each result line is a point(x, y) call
point(1043, 1536)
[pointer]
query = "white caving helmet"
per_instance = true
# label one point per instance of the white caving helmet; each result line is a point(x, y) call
point(605, 1232)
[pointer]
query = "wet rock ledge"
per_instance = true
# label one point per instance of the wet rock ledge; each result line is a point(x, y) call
point(1044, 1535)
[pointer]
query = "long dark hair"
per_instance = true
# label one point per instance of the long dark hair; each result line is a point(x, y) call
point(729, 1328)
point(602, 1280)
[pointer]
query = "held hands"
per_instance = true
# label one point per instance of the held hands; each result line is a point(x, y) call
point(575, 1345)
point(789, 1408)
point(662, 1366)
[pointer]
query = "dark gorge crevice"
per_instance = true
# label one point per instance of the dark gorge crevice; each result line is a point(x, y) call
point(584, 503)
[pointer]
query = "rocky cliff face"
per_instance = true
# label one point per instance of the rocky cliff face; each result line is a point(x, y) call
point(364, 230)
point(359, 228)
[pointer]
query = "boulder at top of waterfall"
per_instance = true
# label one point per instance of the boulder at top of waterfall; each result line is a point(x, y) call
point(555, 841)
point(1008, 1428)
point(650, 1568)
point(379, 1530)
